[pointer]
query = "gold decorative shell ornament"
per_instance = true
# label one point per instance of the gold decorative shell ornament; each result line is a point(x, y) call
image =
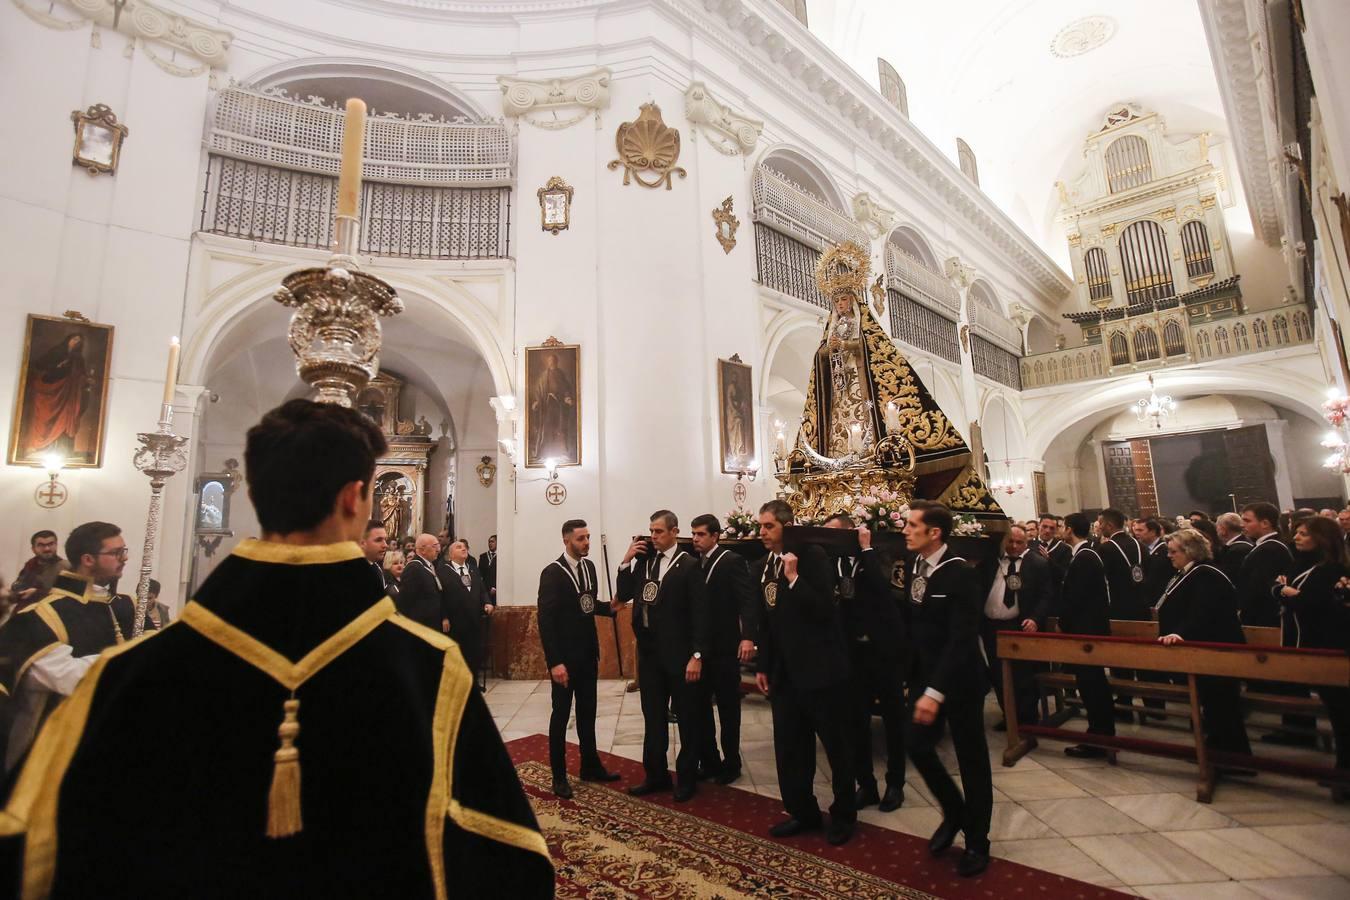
point(648, 145)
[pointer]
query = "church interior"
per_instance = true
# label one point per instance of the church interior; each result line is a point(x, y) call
point(1033, 261)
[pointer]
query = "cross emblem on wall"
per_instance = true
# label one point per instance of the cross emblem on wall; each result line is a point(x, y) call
point(51, 495)
point(738, 492)
point(555, 493)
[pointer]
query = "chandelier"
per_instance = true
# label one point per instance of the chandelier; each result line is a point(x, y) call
point(1006, 485)
point(1153, 409)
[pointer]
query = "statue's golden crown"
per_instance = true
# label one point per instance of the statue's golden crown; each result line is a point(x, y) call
point(843, 269)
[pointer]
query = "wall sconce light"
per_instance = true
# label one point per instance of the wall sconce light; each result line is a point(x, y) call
point(52, 493)
point(555, 492)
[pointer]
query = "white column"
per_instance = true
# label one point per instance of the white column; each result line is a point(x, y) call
point(1276, 436)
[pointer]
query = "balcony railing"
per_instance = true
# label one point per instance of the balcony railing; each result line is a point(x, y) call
point(995, 327)
point(790, 209)
point(930, 288)
point(1140, 344)
point(267, 126)
point(919, 326)
point(993, 361)
point(278, 205)
point(787, 265)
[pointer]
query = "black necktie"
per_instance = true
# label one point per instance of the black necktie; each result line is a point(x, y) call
point(1010, 597)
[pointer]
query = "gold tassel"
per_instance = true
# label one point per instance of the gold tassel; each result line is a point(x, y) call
point(283, 800)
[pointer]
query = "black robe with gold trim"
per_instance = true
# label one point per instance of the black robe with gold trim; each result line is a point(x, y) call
point(164, 754)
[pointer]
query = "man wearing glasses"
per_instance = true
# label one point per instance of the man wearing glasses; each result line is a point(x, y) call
point(48, 646)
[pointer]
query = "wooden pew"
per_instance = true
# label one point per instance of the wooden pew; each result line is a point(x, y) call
point(1252, 663)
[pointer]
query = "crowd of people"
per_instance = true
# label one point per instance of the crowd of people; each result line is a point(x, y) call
point(835, 639)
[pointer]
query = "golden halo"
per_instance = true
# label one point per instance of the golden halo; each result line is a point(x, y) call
point(843, 268)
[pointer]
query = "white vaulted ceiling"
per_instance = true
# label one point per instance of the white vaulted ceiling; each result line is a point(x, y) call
point(993, 73)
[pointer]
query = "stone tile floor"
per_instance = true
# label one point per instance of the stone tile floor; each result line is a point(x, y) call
point(1135, 827)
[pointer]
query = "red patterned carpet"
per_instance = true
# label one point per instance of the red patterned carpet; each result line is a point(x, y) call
point(607, 844)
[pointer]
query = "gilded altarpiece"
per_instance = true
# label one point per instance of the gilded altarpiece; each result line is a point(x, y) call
point(401, 474)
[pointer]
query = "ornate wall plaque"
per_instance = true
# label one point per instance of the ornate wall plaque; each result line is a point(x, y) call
point(649, 145)
point(98, 139)
point(726, 223)
point(487, 471)
point(555, 206)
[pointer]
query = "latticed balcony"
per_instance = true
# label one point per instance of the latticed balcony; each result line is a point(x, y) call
point(432, 189)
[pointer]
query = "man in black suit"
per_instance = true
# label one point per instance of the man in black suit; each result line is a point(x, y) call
point(487, 567)
point(1019, 591)
point(1127, 573)
point(670, 623)
point(374, 543)
point(419, 595)
point(1158, 569)
point(1085, 608)
point(802, 667)
point(1051, 546)
point(950, 684)
point(1235, 545)
point(731, 627)
point(1268, 559)
point(569, 601)
point(464, 603)
point(878, 657)
point(1343, 520)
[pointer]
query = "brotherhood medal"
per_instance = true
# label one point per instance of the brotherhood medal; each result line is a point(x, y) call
point(917, 588)
point(649, 592)
point(846, 587)
point(771, 594)
point(1137, 574)
point(467, 579)
point(1013, 582)
point(587, 604)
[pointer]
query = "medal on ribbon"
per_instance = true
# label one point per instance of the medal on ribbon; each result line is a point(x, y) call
point(1137, 574)
point(846, 587)
point(649, 591)
point(467, 580)
point(1013, 582)
point(587, 604)
point(771, 594)
point(917, 588)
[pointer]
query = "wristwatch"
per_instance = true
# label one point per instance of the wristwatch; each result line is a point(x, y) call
point(698, 655)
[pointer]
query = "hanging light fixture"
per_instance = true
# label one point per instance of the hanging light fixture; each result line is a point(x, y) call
point(1154, 409)
point(1006, 485)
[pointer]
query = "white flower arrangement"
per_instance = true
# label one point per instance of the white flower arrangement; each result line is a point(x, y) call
point(967, 526)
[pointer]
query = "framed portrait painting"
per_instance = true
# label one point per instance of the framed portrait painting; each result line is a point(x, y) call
point(736, 420)
point(552, 404)
point(62, 401)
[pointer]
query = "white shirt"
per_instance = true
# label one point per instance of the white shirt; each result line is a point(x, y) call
point(993, 604)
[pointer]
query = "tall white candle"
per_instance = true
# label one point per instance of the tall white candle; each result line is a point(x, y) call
point(349, 179)
point(171, 376)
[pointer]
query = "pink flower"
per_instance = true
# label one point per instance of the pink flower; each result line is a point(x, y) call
point(895, 517)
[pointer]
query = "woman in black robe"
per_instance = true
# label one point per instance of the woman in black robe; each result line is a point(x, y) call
point(1200, 604)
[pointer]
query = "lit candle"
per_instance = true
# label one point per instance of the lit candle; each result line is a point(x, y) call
point(171, 376)
point(349, 181)
point(855, 437)
point(892, 416)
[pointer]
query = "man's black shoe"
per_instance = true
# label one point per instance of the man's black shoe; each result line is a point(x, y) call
point(972, 863)
point(943, 837)
point(600, 774)
point(708, 773)
point(866, 796)
point(1289, 739)
point(728, 776)
point(561, 789)
point(684, 792)
point(893, 799)
point(1083, 751)
point(649, 787)
point(839, 832)
point(790, 827)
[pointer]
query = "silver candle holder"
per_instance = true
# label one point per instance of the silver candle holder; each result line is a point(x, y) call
point(162, 455)
point(335, 331)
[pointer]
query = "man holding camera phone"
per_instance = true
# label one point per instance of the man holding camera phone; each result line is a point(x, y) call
point(670, 623)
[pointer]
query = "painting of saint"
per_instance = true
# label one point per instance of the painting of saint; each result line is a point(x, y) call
point(552, 405)
point(737, 422)
point(63, 390)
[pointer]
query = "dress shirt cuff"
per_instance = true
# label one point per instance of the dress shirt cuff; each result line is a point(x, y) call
point(60, 670)
point(935, 694)
point(792, 582)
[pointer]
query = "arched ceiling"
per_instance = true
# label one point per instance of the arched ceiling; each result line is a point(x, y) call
point(1005, 76)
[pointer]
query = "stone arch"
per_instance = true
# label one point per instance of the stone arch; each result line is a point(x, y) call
point(1040, 336)
point(397, 84)
point(912, 241)
point(799, 166)
point(982, 293)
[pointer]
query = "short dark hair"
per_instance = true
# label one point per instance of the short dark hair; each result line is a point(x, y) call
point(1264, 512)
point(492, 537)
point(779, 509)
point(371, 526)
point(841, 517)
point(300, 455)
point(1052, 517)
point(1153, 525)
point(88, 539)
point(1078, 524)
point(153, 588)
point(668, 518)
point(1197, 512)
point(40, 535)
point(707, 521)
point(934, 515)
point(572, 525)
point(1114, 517)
